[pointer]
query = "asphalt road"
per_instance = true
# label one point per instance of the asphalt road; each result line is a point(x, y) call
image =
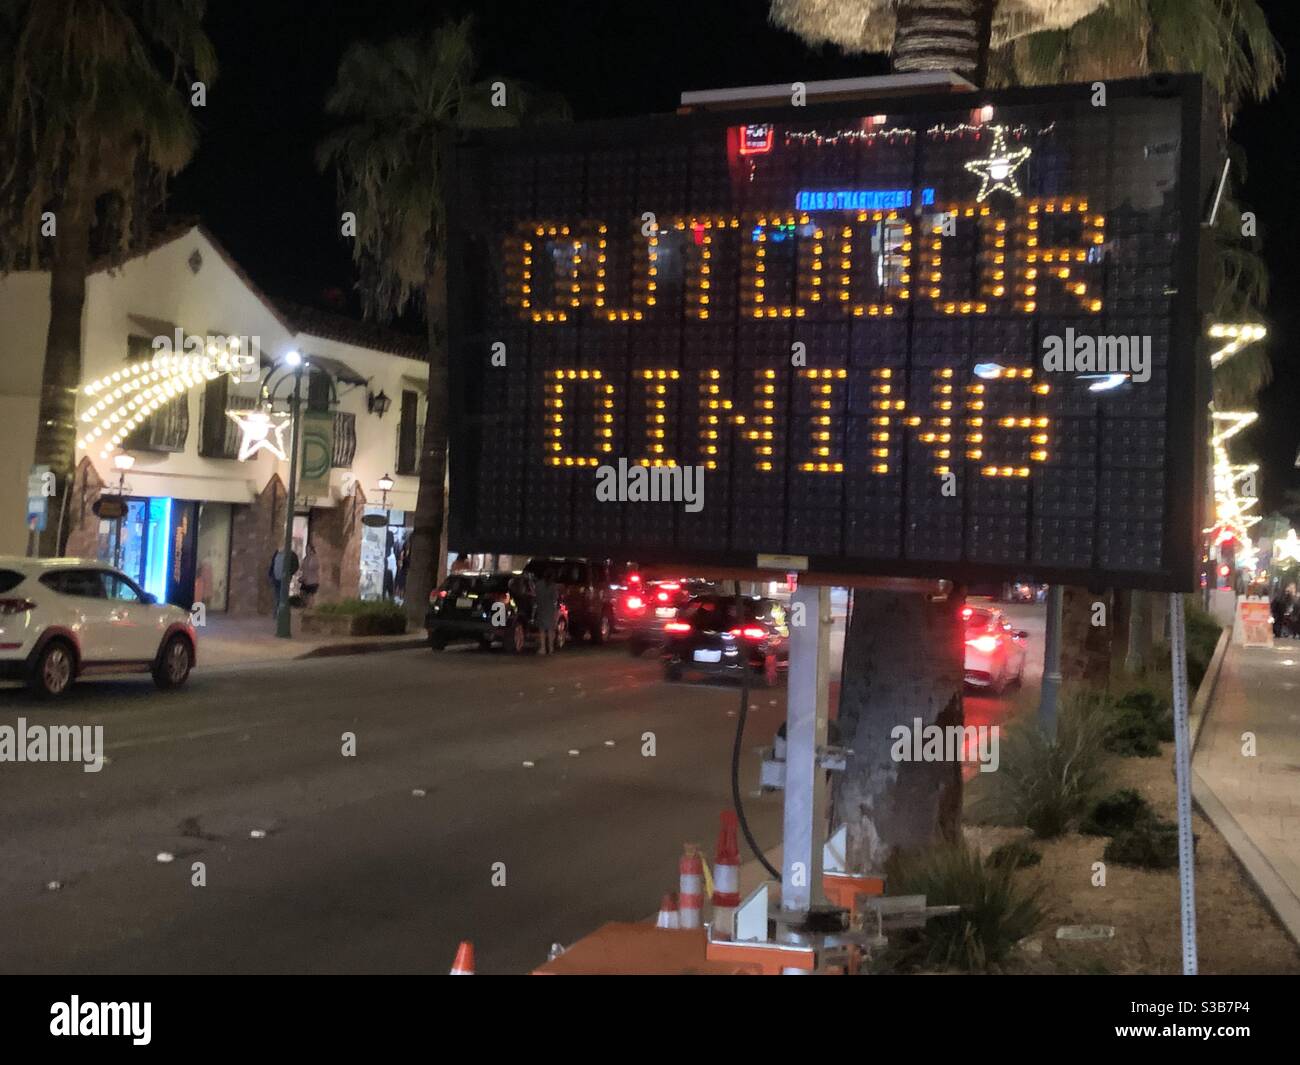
point(355, 872)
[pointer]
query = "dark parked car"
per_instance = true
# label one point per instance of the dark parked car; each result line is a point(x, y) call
point(645, 610)
point(712, 636)
point(490, 608)
point(589, 590)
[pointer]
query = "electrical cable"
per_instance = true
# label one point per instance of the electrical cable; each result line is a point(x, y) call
point(735, 763)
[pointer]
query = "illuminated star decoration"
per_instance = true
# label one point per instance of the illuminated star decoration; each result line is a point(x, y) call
point(998, 171)
point(258, 427)
point(1286, 549)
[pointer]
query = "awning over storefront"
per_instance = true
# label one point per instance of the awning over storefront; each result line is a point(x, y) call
point(339, 370)
point(206, 489)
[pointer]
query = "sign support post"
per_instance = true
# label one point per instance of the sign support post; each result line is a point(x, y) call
point(1051, 664)
point(804, 816)
point(1182, 774)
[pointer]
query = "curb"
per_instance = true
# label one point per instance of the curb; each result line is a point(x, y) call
point(334, 650)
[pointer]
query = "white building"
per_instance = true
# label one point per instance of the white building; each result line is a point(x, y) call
point(202, 525)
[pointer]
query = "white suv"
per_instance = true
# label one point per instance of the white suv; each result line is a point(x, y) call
point(64, 617)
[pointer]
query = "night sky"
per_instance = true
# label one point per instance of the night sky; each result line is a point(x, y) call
point(255, 184)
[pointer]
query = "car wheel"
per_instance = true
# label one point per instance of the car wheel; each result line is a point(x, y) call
point(53, 671)
point(437, 643)
point(516, 639)
point(602, 631)
point(173, 665)
point(672, 670)
point(561, 634)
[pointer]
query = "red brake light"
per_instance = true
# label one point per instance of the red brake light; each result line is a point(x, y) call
point(635, 578)
point(635, 602)
point(985, 644)
point(16, 606)
point(677, 626)
point(754, 632)
point(966, 612)
point(672, 586)
point(662, 597)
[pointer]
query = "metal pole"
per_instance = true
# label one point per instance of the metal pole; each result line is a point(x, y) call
point(1051, 664)
point(1182, 775)
point(804, 815)
point(283, 628)
point(117, 525)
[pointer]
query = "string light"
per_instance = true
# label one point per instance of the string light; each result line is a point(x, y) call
point(998, 171)
point(1237, 337)
point(124, 398)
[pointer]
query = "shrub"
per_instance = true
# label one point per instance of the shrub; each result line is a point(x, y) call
point(372, 617)
point(1154, 707)
point(1014, 855)
point(1047, 786)
point(1117, 812)
point(1151, 844)
point(1202, 638)
point(997, 911)
point(1129, 732)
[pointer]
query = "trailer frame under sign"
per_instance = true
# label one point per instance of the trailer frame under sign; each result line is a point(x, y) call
point(959, 340)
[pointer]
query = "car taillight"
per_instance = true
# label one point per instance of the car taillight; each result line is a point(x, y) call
point(966, 613)
point(662, 597)
point(672, 586)
point(677, 626)
point(635, 602)
point(16, 606)
point(751, 632)
point(437, 594)
point(634, 578)
point(984, 644)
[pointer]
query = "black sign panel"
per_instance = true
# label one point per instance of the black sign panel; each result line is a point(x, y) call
point(958, 338)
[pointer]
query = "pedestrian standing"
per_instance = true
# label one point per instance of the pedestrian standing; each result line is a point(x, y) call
point(546, 608)
point(310, 574)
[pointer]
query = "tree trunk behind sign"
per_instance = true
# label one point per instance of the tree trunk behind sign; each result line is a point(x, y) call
point(427, 558)
point(903, 654)
point(943, 35)
point(903, 671)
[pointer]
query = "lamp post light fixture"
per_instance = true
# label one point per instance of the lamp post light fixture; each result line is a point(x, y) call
point(378, 403)
point(294, 361)
point(386, 485)
point(123, 462)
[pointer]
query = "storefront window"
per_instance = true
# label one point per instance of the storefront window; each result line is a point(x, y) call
point(385, 554)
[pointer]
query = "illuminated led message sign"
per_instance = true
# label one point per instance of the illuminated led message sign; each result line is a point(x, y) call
point(958, 339)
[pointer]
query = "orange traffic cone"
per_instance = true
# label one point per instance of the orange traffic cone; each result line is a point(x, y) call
point(691, 886)
point(668, 912)
point(726, 877)
point(464, 963)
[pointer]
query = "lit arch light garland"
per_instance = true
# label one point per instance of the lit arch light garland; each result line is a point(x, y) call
point(123, 399)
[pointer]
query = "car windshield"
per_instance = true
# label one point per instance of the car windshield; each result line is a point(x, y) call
point(557, 570)
point(719, 612)
point(474, 584)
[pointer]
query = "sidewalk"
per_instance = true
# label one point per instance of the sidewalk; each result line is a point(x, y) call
point(1255, 801)
point(227, 641)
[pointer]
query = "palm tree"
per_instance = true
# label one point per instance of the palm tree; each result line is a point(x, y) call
point(398, 102)
point(94, 117)
point(903, 653)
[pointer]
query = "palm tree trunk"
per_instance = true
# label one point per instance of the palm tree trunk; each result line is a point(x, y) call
point(904, 657)
point(903, 661)
point(943, 35)
point(56, 427)
point(427, 559)
point(1085, 647)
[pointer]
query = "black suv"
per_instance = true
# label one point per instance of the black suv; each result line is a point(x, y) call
point(489, 608)
point(589, 590)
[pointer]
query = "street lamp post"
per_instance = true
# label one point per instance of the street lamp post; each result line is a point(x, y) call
point(123, 462)
point(386, 486)
point(283, 628)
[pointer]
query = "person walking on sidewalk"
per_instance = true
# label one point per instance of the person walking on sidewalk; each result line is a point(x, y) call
point(310, 574)
point(546, 607)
